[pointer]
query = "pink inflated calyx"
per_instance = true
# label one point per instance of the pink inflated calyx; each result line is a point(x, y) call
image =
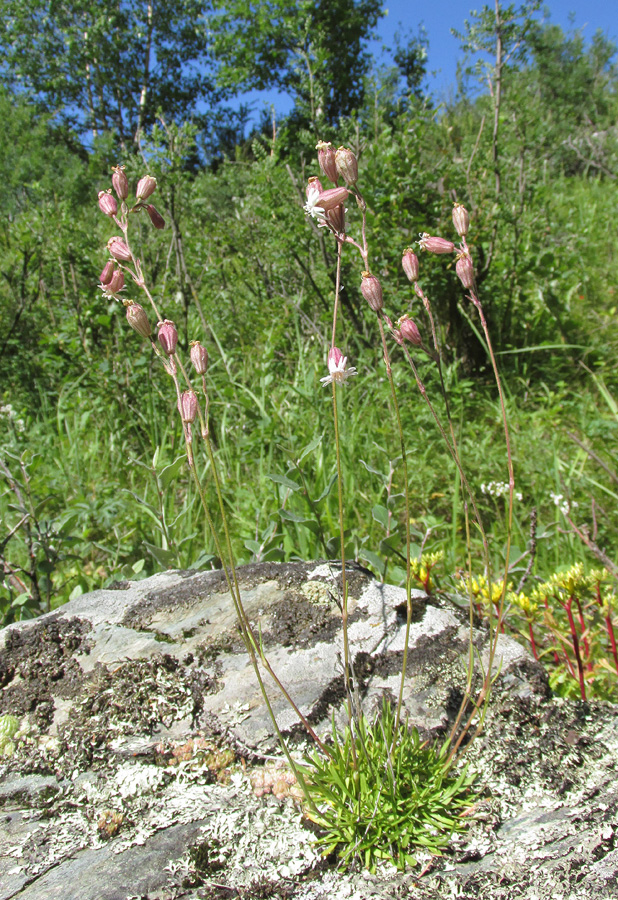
point(137, 318)
point(145, 187)
point(409, 330)
point(106, 275)
point(336, 218)
point(409, 262)
point(116, 282)
point(314, 184)
point(371, 290)
point(107, 203)
point(187, 406)
point(118, 249)
point(347, 165)
point(332, 197)
point(465, 270)
point(326, 160)
point(334, 357)
point(199, 357)
point(155, 216)
point(168, 336)
point(435, 244)
point(120, 182)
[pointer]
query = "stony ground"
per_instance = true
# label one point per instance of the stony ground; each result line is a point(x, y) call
point(144, 765)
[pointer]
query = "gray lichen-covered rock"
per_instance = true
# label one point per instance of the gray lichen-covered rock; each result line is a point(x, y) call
point(142, 736)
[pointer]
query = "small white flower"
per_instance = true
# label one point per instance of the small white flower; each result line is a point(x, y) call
point(337, 368)
point(316, 212)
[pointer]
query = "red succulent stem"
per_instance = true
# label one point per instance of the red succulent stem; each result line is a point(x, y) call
point(575, 640)
point(556, 657)
point(609, 625)
point(532, 641)
point(584, 634)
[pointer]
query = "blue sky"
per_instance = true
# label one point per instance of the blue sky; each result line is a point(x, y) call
point(439, 16)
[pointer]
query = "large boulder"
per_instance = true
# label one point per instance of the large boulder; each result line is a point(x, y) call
point(145, 765)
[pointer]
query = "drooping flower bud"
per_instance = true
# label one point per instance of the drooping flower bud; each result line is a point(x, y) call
point(119, 249)
point(107, 203)
point(410, 330)
point(145, 187)
point(371, 290)
point(137, 318)
point(199, 357)
point(347, 166)
point(461, 219)
point(187, 406)
point(120, 182)
point(336, 218)
point(409, 261)
point(435, 244)
point(332, 197)
point(116, 282)
point(168, 336)
point(106, 275)
point(314, 184)
point(465, 270)
point(326, 159)
point(155, 216)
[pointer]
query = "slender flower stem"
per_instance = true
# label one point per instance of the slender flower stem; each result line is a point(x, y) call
point(484, 694)
point(337, 289)
point(173, 364)
point(344, 580)
point(406, 487)
point(252, 645)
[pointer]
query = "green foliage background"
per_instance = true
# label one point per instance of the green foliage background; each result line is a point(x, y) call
point(241, 268)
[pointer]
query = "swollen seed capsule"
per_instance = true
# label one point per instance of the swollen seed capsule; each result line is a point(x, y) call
point(119, 249)
point(137, 318)
point(409, 261)
point(371, 290)
point(199, 357)
point(187, 406)
point(410, 330)
point(168, 336)
point(107, 203)
point(465, 271)
point(347, 166)
point(461, 219)
point(145, 187)
point(120, 182)
point(435, 244)
point(326, 160)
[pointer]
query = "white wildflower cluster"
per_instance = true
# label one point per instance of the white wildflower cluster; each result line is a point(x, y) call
point(565, 506)
point(499, 489)
point(9, 413)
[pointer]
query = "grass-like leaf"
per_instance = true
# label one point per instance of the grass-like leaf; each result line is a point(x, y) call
point(399, 795)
